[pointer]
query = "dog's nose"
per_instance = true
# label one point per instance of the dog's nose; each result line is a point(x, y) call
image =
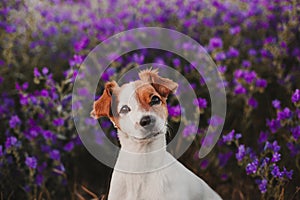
point(146, 120)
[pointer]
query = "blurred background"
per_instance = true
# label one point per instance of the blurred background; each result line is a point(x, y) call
point(254, 43)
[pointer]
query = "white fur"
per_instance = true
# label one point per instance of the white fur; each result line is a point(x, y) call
point(160, 176)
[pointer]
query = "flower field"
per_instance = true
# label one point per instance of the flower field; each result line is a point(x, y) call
point(255, 45)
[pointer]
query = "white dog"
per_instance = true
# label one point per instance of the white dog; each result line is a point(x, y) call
point(144, 169)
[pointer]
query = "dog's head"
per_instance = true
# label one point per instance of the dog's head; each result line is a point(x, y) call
point(138, 109)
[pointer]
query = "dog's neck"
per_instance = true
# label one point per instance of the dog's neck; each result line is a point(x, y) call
point(140, 156)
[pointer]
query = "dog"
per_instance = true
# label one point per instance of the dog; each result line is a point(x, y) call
point(139, 112)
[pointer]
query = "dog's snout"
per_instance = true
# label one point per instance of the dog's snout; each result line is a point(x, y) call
point(147, 120)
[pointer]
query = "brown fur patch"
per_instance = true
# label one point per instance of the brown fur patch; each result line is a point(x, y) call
point(107, 103)
point(144, 93)
point(163, 86)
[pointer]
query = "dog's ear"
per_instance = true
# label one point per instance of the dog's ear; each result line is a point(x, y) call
point(102, 106)
point(163, 86)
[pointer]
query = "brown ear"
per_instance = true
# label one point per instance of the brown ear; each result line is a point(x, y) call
point(163, 86)
point(102, 106)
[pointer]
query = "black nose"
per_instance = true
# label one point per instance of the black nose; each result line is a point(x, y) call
point(146, 120)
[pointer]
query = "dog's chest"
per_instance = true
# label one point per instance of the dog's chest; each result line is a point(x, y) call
point(146, 185)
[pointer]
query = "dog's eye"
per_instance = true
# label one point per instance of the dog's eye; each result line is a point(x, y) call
point(125, 109)
point(155, 100)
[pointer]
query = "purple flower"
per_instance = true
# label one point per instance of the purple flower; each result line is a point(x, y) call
point(55, 155)
point(263, 186)
point(296, 132)
point(159, 61)
point(229, 137)
point(208, 22)
point(10, 28)
point(108, 73)
point(33, 132)
point(174, 111)
point(274, 125)
point(23, 87)
point(215, 43)
point(283, 44)
point(176, 62)
point(1, 150)
point(275, 147)
point(276, 157)
point(251, 168)
point(114, 133)
point(48, 134)
point(36, 72)
point(31, 162)
point(288, 174)
point(276, 172)
point(269, 40)
point(239, 89)
point(239, 73)
point(264, 162)
point(204, 164)
point(208, 140)
point(241, 153)
point(69, 146)
point(105, 124)
point(58, 122)
point(246, 63)
point(294, 149)
point(189, 130)
point(83, 91)
point(220, 56)
point(232, 53)
point(45, 70)
point(250, 76)
point(10, 141)
point(222, 68)
point(39, 179)
point(272, 146)
point(14, 121)
point(235, 30)
point(285, 114)
point(252, 102)
point(238, 136)
point(44, 93)
point(252, 52)
point(265, 53)
point(81, 44)
point(296, 96)
point(215, 120)
point(77, 60)
point(139, 59)
point(200, 102)
point(263, 136)
point(91, 121)
point(52, 30)
point(261, 83)
point(276, 104)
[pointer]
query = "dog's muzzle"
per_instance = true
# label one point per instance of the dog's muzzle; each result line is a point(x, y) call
point(147, 122)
